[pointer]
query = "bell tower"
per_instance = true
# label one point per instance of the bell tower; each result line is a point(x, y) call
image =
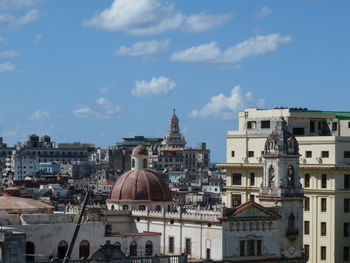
point(281, 189)
point(174, 139)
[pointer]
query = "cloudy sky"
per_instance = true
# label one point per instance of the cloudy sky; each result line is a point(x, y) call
point(98, 71)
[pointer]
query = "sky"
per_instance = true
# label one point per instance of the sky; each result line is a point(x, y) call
point(97, 71)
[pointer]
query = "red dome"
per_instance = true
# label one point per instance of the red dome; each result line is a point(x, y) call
point(139, 185)
point(140, 150)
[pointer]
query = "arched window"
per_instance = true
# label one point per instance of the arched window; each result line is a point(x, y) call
point(112, 207)
point(84, 249)
point(125, 207)
point(271, 177)
point(62, 249)
point(133, 249)
point(158, 208)
point(30, 252)
point(149, 249)
point(290, 176)
point(133, 163)
point(144, 163)
point(291, 223)
point(118, 245)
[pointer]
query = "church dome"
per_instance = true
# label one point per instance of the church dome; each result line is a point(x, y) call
point(140, 150)
point(281, 141)
point(139, 185)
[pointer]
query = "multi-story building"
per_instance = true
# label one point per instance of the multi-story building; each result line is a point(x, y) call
point(25, 158)
point(324, 141)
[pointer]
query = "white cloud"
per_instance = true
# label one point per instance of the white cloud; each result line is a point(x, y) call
point(106, 89)
point(104, 110)
point(7, 67)
point(9, 54)
point(9, 21)
point(203, 22)
point(225, 107)
point(41, 115)
point(39, 38)
point(141, 17)
point(143, 48)
point(2, 40)
point(110, 109)
point(264, 11)
point(17, 4)
point(210, 52)
point(84, 112)
point(148, 17)
point(156, 87)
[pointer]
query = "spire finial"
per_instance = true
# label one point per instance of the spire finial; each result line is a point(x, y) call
point(174, 111)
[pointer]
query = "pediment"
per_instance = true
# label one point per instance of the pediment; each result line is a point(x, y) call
point(252, 210)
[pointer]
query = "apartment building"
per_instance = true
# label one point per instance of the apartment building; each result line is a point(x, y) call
point(324, 142)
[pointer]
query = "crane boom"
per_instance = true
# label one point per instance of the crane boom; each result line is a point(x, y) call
point(77, 227)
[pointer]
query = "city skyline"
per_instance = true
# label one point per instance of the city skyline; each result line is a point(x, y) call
point(86, 72)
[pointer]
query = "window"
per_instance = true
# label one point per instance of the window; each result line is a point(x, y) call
point(307, 251)
point(258, 247)
point(242, 248)
point(250, 154)
point(346, 229)
point(323, 205)
point(252, 198)
point(265, 124)
point(232, 153)
point(30, 252)
point(349, 124)
point(346, 205)
point(236, 179)
point(250, 247)
point(307, 204)
point(62, 249)
point(307, 181)
point(324, 181)
point(346, 181)
point(334, 126)
point(323, 229)
point(308, 154)
point(252, 179)
point(188, 248)
point(346, 154)
point(171, 244)
point(84, 249)
point(236, 200)
point(298, 131)
point(133, 163)
point(323, 253)
point(251, 124)
point(346, 253)
point(144, 163)
point(306, 227)
point(312, 126)
point(133, 249)
point(325, 154)
point(208, 253)
point(149, 249)
point(291, 223)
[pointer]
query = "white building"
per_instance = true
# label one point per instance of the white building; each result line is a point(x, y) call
point(245, 233)
point(324, 142)
point(21, 165)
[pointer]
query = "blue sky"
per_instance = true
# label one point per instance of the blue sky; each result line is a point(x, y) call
point(98, 71)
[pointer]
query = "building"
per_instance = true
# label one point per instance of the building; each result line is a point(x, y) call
point(247, 233)
point(324, 142)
